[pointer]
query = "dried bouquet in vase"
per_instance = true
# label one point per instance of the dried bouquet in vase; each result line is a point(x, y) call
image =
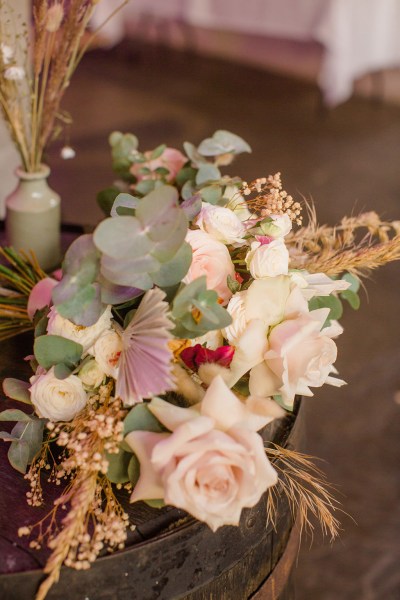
point(36, 67)
point(184, 325)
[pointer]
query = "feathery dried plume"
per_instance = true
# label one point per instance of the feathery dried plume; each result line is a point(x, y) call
point(306, 489)
point(357, 244)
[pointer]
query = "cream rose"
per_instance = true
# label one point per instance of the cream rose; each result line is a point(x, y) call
point(86, 336)
point(57, 399)
point(236, 308)
point(213, 464)
point(91, 374)
point(210, 258)
point(268, 260)
point(278, 226)
point(299, 356)
point(222, 224)
point(107, 350)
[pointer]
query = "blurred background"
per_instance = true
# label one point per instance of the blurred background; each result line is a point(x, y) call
point(314, 87)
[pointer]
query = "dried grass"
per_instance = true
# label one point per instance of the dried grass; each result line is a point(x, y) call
point(306, 489)
point(357, 244)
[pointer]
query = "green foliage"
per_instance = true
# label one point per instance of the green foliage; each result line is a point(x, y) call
point(196, 310)
point(26, 441)
point(123, 150)
point(124, 204)
point(134, 248)
point(173, 271)
point(17, 390)
point(78, 295)
point(105, 199)
point(118, 466)
point(331, 302)
point(207, 172)
point(211, 194)
point(14, 414)
point(351, 294)
point(52, 350)
point(233, 285)
point(223, 142)
point(140, 418)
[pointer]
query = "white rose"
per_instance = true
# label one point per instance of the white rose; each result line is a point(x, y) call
point(279, 226)
point(236, 203)
point(91, 374)
point(57, 399)
point(236, 308)
point(86, 336)
point(268, 260)
point(107, 350)
point(221, 223)
point(212, 259)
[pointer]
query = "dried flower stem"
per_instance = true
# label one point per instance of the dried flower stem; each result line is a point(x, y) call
point(305, 487)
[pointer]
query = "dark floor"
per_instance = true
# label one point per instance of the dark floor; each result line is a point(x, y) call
point(347, 160)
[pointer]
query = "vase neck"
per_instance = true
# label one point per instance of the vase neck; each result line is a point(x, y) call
point(39, 175)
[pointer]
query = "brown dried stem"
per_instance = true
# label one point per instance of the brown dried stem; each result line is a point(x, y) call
point(306, 489)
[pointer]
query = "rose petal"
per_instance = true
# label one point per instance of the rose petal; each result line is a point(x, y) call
point(149, 485)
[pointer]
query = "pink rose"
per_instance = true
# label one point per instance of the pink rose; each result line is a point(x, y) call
point(170, 159)
point(212, 259)
point(299, 356)
point(213, 464)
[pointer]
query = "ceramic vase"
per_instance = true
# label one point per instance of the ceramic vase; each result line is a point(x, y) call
point(33, 217)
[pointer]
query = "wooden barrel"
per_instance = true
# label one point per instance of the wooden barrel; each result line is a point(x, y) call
point(168, 556)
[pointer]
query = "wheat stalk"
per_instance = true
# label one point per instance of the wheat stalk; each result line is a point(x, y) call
point(306, 489)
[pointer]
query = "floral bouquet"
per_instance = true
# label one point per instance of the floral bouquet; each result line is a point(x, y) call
point(188, 321)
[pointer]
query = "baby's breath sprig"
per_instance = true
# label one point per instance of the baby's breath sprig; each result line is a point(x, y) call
point(94, 519)
point(265, 196)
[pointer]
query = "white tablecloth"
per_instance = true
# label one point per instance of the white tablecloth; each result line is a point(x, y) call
point(359, 36)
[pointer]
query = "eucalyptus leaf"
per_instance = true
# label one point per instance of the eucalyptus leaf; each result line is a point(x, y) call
point(223, 142)
point(195, 157)
point(352, 298)
point(188, 190)
point(353, 280)
point(14, 414)
point(62, 371)
point(18, 455)
point(173, 271)
point(17, 390)
point(140, 418)
point(7, 437)
point(331, 302)
point(118, 466)
point(134, 470)
point(124, 204)
point(192, 206)
point(123, 149)
point(53, 349)
point(158, 151)
point(105, 199)
point(207, 172)
point(145, 186)
point(32, 434)
point(184, 175)
point(211, 194)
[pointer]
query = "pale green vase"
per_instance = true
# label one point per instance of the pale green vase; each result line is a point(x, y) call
point(33, 217)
